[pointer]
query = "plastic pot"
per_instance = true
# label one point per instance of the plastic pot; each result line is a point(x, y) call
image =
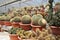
point(16, 24)
point(35, 27)
point(1, 22)
point(13, 37)
point(55, 30)
point(25, 26)
point(7, 23)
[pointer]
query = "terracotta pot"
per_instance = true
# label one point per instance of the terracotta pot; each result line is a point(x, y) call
point(13, 37)
point(7, 23)
point(25, 26)
point(1, 22)
point(55, 30)
point(35, 27)
point(16, 24)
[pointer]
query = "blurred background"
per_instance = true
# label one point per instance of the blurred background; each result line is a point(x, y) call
point(22, 3)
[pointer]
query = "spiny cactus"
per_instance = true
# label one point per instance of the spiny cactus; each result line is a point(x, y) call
point(7, 18)
point(2, 18)
point(35, 19)
point(26, 19)
point(16, 19)
point(42, 22)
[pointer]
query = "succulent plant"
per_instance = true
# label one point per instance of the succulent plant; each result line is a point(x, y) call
point(26, 19)
point(14, 30)
point(16, 19)
point(7, 18)
point(56, 19)
point(53, 19)
point(42, 22)
point(35, 19)
point(2, 18)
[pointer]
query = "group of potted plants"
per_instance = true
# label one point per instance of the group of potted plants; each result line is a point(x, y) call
point(20, 34)
point(54, 22)
point(38, 22)
point(27, 22)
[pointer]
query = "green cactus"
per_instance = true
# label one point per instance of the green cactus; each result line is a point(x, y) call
point(7, 18)
point(42, 22)
point(26, 19)
point(56, 19)
point(53, 19)
point(16, 19)
point(14, 30)
point(35, 19)
point(2, 18)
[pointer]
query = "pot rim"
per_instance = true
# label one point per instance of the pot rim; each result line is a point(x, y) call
point(54, 27)
point(24, 24)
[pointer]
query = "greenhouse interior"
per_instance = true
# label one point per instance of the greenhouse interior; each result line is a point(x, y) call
point(29, 19)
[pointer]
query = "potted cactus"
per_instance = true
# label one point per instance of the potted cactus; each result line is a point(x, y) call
point(55, 26)
point(42, 22)
point(34, 23)
point(2, 19)
point(54, 22)
point(25, 22)
point(15, 21)
point(7, 20)
point(13, 35)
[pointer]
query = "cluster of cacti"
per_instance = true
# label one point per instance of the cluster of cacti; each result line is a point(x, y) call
point(5, 17)
point(38, 20)
point(16, 19)
point(53, 19)
point(38, 35)
point(26, 19)
point(56, 19)
point(35, 19)
point(14, 30)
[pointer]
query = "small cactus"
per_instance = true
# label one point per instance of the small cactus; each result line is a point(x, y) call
point(42, 22)
point(35, 19)
point(15, 19)
point(26, 19)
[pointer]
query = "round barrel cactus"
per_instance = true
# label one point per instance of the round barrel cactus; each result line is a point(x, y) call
point(35, 19)
point(15, 19)
point(42, 22)
point(7, 18)
point(26, 19)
